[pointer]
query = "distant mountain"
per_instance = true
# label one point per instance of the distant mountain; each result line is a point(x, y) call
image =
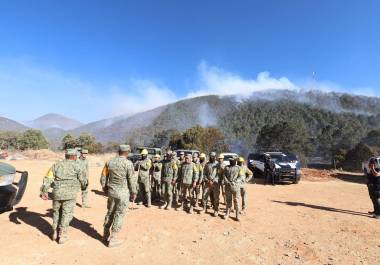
point(10, 125)
point(53, 120)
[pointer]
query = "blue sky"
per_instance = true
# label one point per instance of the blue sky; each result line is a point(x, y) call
point(96, 59)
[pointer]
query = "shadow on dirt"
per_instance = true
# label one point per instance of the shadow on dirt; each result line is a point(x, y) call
point(98, 192)
point(351, 177)
point(36, 220)
point(323, 208)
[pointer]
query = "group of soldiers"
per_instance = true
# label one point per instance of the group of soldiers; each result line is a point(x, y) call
point(186, 182)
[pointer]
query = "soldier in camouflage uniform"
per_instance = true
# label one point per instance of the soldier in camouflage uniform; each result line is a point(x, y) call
point(189, 176)
point(66, 177)
point(83, 162)
point(247, 176)
point(177, 186)
point(169, 173)
point(156, 179)
point(116, 181)
point(233, 178)
point(200, 163)
point(144, 169)
point(209, 177)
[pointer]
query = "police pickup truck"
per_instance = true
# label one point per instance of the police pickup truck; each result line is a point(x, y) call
point(288, 166)
point(11, 193)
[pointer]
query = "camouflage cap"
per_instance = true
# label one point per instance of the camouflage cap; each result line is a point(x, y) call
point(181, 153)
point(213, 154)
point(124, 148)
point(170, 152)
point(84, 151)
point(71, 152)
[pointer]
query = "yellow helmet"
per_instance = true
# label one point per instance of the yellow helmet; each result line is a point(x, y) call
point(221, 157)
point(203, 155)
point(144, 152)
point(241, 159)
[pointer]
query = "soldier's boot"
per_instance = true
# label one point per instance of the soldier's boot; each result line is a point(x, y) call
point(63, 237)
point(237, 215)
point(54, 235)
point(168, 205)
point(149, 201)
point(216, 213)
point(106, 234)
point(191, 209)
point(85, 204)
point(227, 215)
point(114, 240)
point(243, 210)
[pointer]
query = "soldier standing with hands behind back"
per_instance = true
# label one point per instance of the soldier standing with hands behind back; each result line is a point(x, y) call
point(84, 163)
point(66, 177)
point(117, 183)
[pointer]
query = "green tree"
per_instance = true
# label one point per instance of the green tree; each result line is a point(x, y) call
point(9, 140)
point(33, 139)
point(354, 157)
point(69, 141)
point(87, 141)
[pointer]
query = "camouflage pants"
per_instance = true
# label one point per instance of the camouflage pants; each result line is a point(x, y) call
point(243, 193)
point(232, 194)
point(63, 214)
point(187, 195)
point(167, 191)
point(144, 190)
point(177, 190)
point(85, 194)
point(156, 189)
point(116, 209)
point(213, 192)
point(197, 192)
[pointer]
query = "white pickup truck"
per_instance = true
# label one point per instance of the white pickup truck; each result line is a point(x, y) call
point(365, 164)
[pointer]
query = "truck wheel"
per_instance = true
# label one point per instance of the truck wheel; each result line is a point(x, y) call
point(296, 179)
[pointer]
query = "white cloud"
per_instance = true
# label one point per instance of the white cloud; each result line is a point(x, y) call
point(214, 80)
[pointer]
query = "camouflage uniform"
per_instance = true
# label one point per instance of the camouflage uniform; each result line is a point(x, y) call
point(197, 190)
point(156, 183)
point(168, 178)
point(177, 185)
point(233, 178)
point(247, 176)
point(116, 181)
point(84, 164)
point(144, 167)
point(210, 182)
point(189, 176)
point(67, 178)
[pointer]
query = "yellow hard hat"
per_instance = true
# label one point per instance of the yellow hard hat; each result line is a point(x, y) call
point(241, 159)
point(221, 157)
point(203, 155)
point(144, 152)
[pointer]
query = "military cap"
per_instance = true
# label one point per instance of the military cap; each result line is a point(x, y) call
point(212, 154)
point(182, 153)
point(71, 152)
point(221, 157)
point(124, 148)
point(169, 152)
point(157, 156)
point(84, 151)
point(202, 155)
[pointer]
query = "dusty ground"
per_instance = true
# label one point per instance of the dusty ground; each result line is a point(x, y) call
point(314, 222)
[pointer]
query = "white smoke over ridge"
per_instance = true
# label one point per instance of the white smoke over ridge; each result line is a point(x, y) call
point(39, 91)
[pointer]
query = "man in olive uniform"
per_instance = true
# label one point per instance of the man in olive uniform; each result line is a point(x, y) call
point(200, 163)
point(169, 173)
point(233, 177)
point(66, 177)
point(84, 164)
point(156, 177)
point(189, 175)
point(210, 179)
point(177, 187)
point(116, 181)
point(247, 176)
point(143, 167)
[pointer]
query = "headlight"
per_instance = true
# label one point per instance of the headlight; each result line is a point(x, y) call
point(6, 179)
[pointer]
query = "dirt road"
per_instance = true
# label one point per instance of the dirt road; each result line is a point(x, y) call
point(314, 222)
